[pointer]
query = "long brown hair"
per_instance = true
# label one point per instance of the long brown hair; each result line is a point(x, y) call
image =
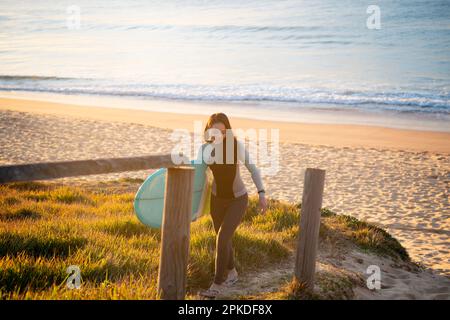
point(216, 118)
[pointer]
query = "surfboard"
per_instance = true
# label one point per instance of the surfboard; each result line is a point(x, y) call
point(149, 199)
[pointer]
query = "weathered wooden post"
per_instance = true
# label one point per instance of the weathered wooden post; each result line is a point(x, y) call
point(62, 169)
point(308, 239)
point(175, 233)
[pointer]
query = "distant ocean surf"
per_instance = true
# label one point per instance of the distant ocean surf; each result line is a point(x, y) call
point(423, 102)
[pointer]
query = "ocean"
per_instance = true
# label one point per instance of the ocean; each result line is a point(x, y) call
point(263, 59)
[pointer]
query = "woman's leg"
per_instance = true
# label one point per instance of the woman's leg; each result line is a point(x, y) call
point(234, 212)
point(218, 211)
point(217, 208)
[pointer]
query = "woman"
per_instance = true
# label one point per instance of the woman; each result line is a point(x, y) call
point(229, 198)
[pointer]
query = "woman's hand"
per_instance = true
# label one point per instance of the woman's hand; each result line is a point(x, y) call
point(262, 203)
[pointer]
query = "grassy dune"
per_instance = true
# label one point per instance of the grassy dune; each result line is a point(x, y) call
point(47, 227)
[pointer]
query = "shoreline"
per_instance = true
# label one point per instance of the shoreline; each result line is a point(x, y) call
point(278, 111)
point(319, 134)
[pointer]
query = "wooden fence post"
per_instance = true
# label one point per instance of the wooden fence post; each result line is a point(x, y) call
point(308, 239)
point(175, 233)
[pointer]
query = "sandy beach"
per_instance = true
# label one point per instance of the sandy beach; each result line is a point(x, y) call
point(336, 135)
point(398, 179)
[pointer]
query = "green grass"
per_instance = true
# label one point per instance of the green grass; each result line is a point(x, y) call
point(342, 228)
point(47, 227)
